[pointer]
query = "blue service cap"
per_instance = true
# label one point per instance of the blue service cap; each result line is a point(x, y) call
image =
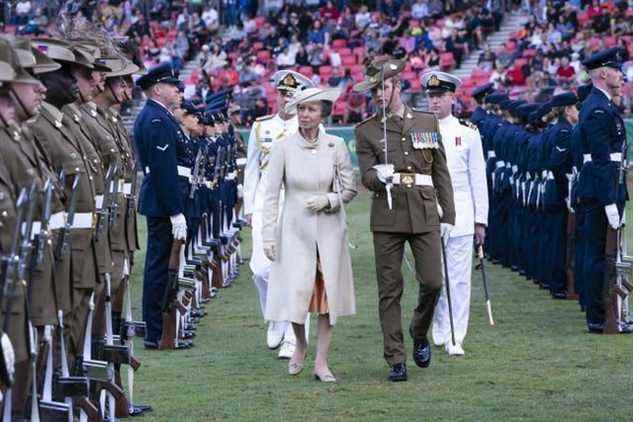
point(506, 104)
point(483, 90)
point(538, 114)
point(583, 91)
point(525, 109)
point(190, 108)
point(564, 99)
point(611, 57)
point(496, 97)
point(163, 73)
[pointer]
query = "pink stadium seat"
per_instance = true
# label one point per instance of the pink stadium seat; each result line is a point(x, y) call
point(306, 70)
point(359, 52)
point(338, 44)
point(357, 68)
point(348, 61)
point(345, 51)
point(339, 108)
point(263, 55)
point(325, 71)
point(416, 86)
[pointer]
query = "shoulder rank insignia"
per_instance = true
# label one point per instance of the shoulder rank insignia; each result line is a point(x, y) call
point(599, 111)
point(425, 140)
point(156, 120)
point(468, 123)
point(262, 118)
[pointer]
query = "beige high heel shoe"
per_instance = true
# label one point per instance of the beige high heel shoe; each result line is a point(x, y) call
point(294, 367)
point(328, 378)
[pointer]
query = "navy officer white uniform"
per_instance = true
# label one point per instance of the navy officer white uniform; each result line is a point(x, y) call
point(265, 132)
point(156, 133)
point(466, 165)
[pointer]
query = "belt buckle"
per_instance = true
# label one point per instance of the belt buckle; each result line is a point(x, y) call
point(407, 179)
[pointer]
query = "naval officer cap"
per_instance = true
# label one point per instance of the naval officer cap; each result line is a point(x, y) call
point(563, 100)
point(290, 81)
point(482, 90)
point(611, 57)
point(437, 83)
point(163, 73)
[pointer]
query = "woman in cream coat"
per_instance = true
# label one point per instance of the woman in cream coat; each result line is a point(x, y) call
point(311, 270)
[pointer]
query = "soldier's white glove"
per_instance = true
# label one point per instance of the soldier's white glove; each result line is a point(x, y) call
point(613, 216)
point(440, 211)
point(178, 226)
point(445, 230)
point(270, 250)
point(384, 172)
point(317, 203)
point(623, 220)
point(240, 191)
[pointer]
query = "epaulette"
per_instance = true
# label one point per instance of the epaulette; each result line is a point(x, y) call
point(367, 119)
point(262, 118)
point(468, 123)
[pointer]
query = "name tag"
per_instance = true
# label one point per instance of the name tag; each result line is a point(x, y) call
point(425, 140)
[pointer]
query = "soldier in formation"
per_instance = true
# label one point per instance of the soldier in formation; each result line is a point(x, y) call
point(556, 171)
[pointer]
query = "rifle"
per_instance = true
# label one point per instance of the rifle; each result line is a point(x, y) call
point(62, 243)
point(10, 264)
point(197, 175)
point(106, 205)
point(169, 306)
point(45, 235)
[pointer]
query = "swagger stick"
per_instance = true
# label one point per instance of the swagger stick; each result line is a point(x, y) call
point(448, 292)
point(384, 131)
point(480, 255)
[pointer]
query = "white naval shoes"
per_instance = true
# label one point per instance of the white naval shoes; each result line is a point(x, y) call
point(455, 350)
point(286, 350)
point(274, 334)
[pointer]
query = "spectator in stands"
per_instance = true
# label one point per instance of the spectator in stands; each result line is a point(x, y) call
point(329, 11)
point(318, 34)
point(362, 18)
point(565, 72)
point(487, 59)
point(210, 18)
point(390, 8)
point(420, 9)
point(22, 12)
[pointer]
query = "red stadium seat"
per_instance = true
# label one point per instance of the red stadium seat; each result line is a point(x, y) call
point(348, 61)
point(359, 52)
point(357, 68)
point(338, 44)
point(345, 51)
point(339, 109)
point(263, 55)
point(416, 86)
point(306, 71)
point(325, 71)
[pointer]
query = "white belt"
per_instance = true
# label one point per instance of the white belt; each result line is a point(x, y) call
point(36, 227)
point(616, 156)
point(491, 154)
point(98, 202)
point(83, 220)
point(544, 174)
point(515, 168)
point(230, 176)
point(550, 175)
point(147, 170)
point(209, 184)
point(500, 164)
point(120, 184)
point(127, 189)
point(240, 162)
point(57, 220)
point(184, 171)
point(508, 165)
point(420, 179)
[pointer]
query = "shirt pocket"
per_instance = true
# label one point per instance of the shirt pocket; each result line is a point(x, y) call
point(429, 202)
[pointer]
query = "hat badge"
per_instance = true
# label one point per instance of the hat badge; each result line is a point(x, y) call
point(289, 80)
point(433, 81)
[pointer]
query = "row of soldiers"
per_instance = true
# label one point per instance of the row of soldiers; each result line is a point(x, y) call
point(68, 189)
point(555, 173)
point(192, 160)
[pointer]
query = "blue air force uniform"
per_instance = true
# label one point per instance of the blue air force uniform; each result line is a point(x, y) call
point(156, 136)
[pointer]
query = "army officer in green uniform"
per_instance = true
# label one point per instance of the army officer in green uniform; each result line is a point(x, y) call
point(412, 202)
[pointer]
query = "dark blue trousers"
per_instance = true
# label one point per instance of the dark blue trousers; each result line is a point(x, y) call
point(579, 256)
point(557, 251)
point(159, 240)
point(595, 232)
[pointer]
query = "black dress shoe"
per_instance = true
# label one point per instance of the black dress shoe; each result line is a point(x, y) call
point(422, 353)
point(139, 409)
point(595, 328)
point(150, 345)
point(559, 295)
point(398, 372)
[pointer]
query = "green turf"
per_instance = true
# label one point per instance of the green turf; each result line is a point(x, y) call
point(536, 364)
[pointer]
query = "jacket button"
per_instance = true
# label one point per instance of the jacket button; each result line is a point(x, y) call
point(404, 139)
point(409, 168)
point(406, 153)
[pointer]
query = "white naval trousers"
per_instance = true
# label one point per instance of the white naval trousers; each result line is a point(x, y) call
point(459, 258)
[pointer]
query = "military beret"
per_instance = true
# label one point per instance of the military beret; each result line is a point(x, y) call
point(583, 91)
point(162, 73)
point(483, 90)
point(439, 82)
point(611, 57)
point(564, 99)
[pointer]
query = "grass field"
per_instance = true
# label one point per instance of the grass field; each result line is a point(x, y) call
point(536, 364)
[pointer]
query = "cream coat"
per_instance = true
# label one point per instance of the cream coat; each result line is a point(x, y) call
point(305, 170)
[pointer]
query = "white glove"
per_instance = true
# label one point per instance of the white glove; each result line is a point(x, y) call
point(240, 191)
point(440, 211)
point(623, 220)
point(613, 216)
point(384, 172)
point(270, 250)
point(317, 203)
point(178, 226)
point(445, 230)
